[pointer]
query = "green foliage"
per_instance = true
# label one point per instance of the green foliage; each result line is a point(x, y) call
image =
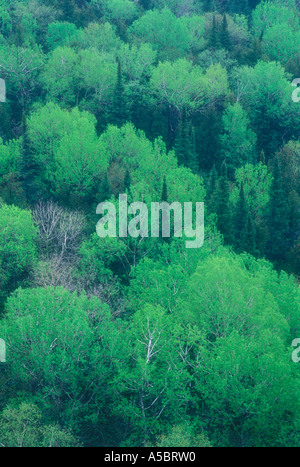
point(20, 67)
point(59, 76)
point(5, 21)
point(101, 37)
point(10, 157)
point(54, 345)
point(61, 34)
point(164, 31)
point(79, 159)
point(238, 141)
point(269, 104)
point(268, 14)
point(280, 24)
point(181, 84)
point(256, 183)
point(71, 145)
point(231, 355)
point(17, 247)
point(121, 11)
point(21, 426)
point(182, 436)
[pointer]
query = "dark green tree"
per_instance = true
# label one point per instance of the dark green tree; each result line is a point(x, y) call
point(208, 126)
point(214, 41)
point(146, 4)
point(193, 164)
point(223, 208)
point(238, 6)
point(207, 5)
point(30, 168)
point(119, 105)
point(279, 216)
point(105, 189)
point(224, 34)
point(164, 198)
point(185, 144)
point(67, 8)
point(164, 192)
point(127, 181)
point(211, 187)
point(255, 52)
point(250, 238)
point(253, 4)
point(241, 218)
point(262, 157)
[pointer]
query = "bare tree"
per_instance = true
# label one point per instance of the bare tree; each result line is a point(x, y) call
point(21, 67)
point(108, 292)
point(53, 273)
point(60, 231)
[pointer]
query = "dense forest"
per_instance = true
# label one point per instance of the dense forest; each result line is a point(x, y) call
point(142, 341)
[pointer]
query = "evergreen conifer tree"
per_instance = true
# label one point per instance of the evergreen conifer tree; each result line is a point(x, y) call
point(164, 193)
point(223, 209)
point(214, 41)
point(185, 147)
point(105, 189)
point(224, 35)
point(29, 166)
point(211, 186)
point(119, 108)
point(250, 238)
point(241, 218)
point(279, 215)
point(262, 157)
point(127, 181)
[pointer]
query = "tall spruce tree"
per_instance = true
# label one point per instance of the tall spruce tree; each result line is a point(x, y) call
point(119, 106)
point(224, 34)
point(185, 147)
point(164, 198)
point(262, 157)
point(127, 181)
point(250, 238)
point(211, 187)
point(255, 51)
point(29, 166)
point(193, 163)
point(279, 216)
point(241, 219)
point(208, 127)
point(214, 39)
point(223, 209)
point(164, 192)
point(105, 189)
